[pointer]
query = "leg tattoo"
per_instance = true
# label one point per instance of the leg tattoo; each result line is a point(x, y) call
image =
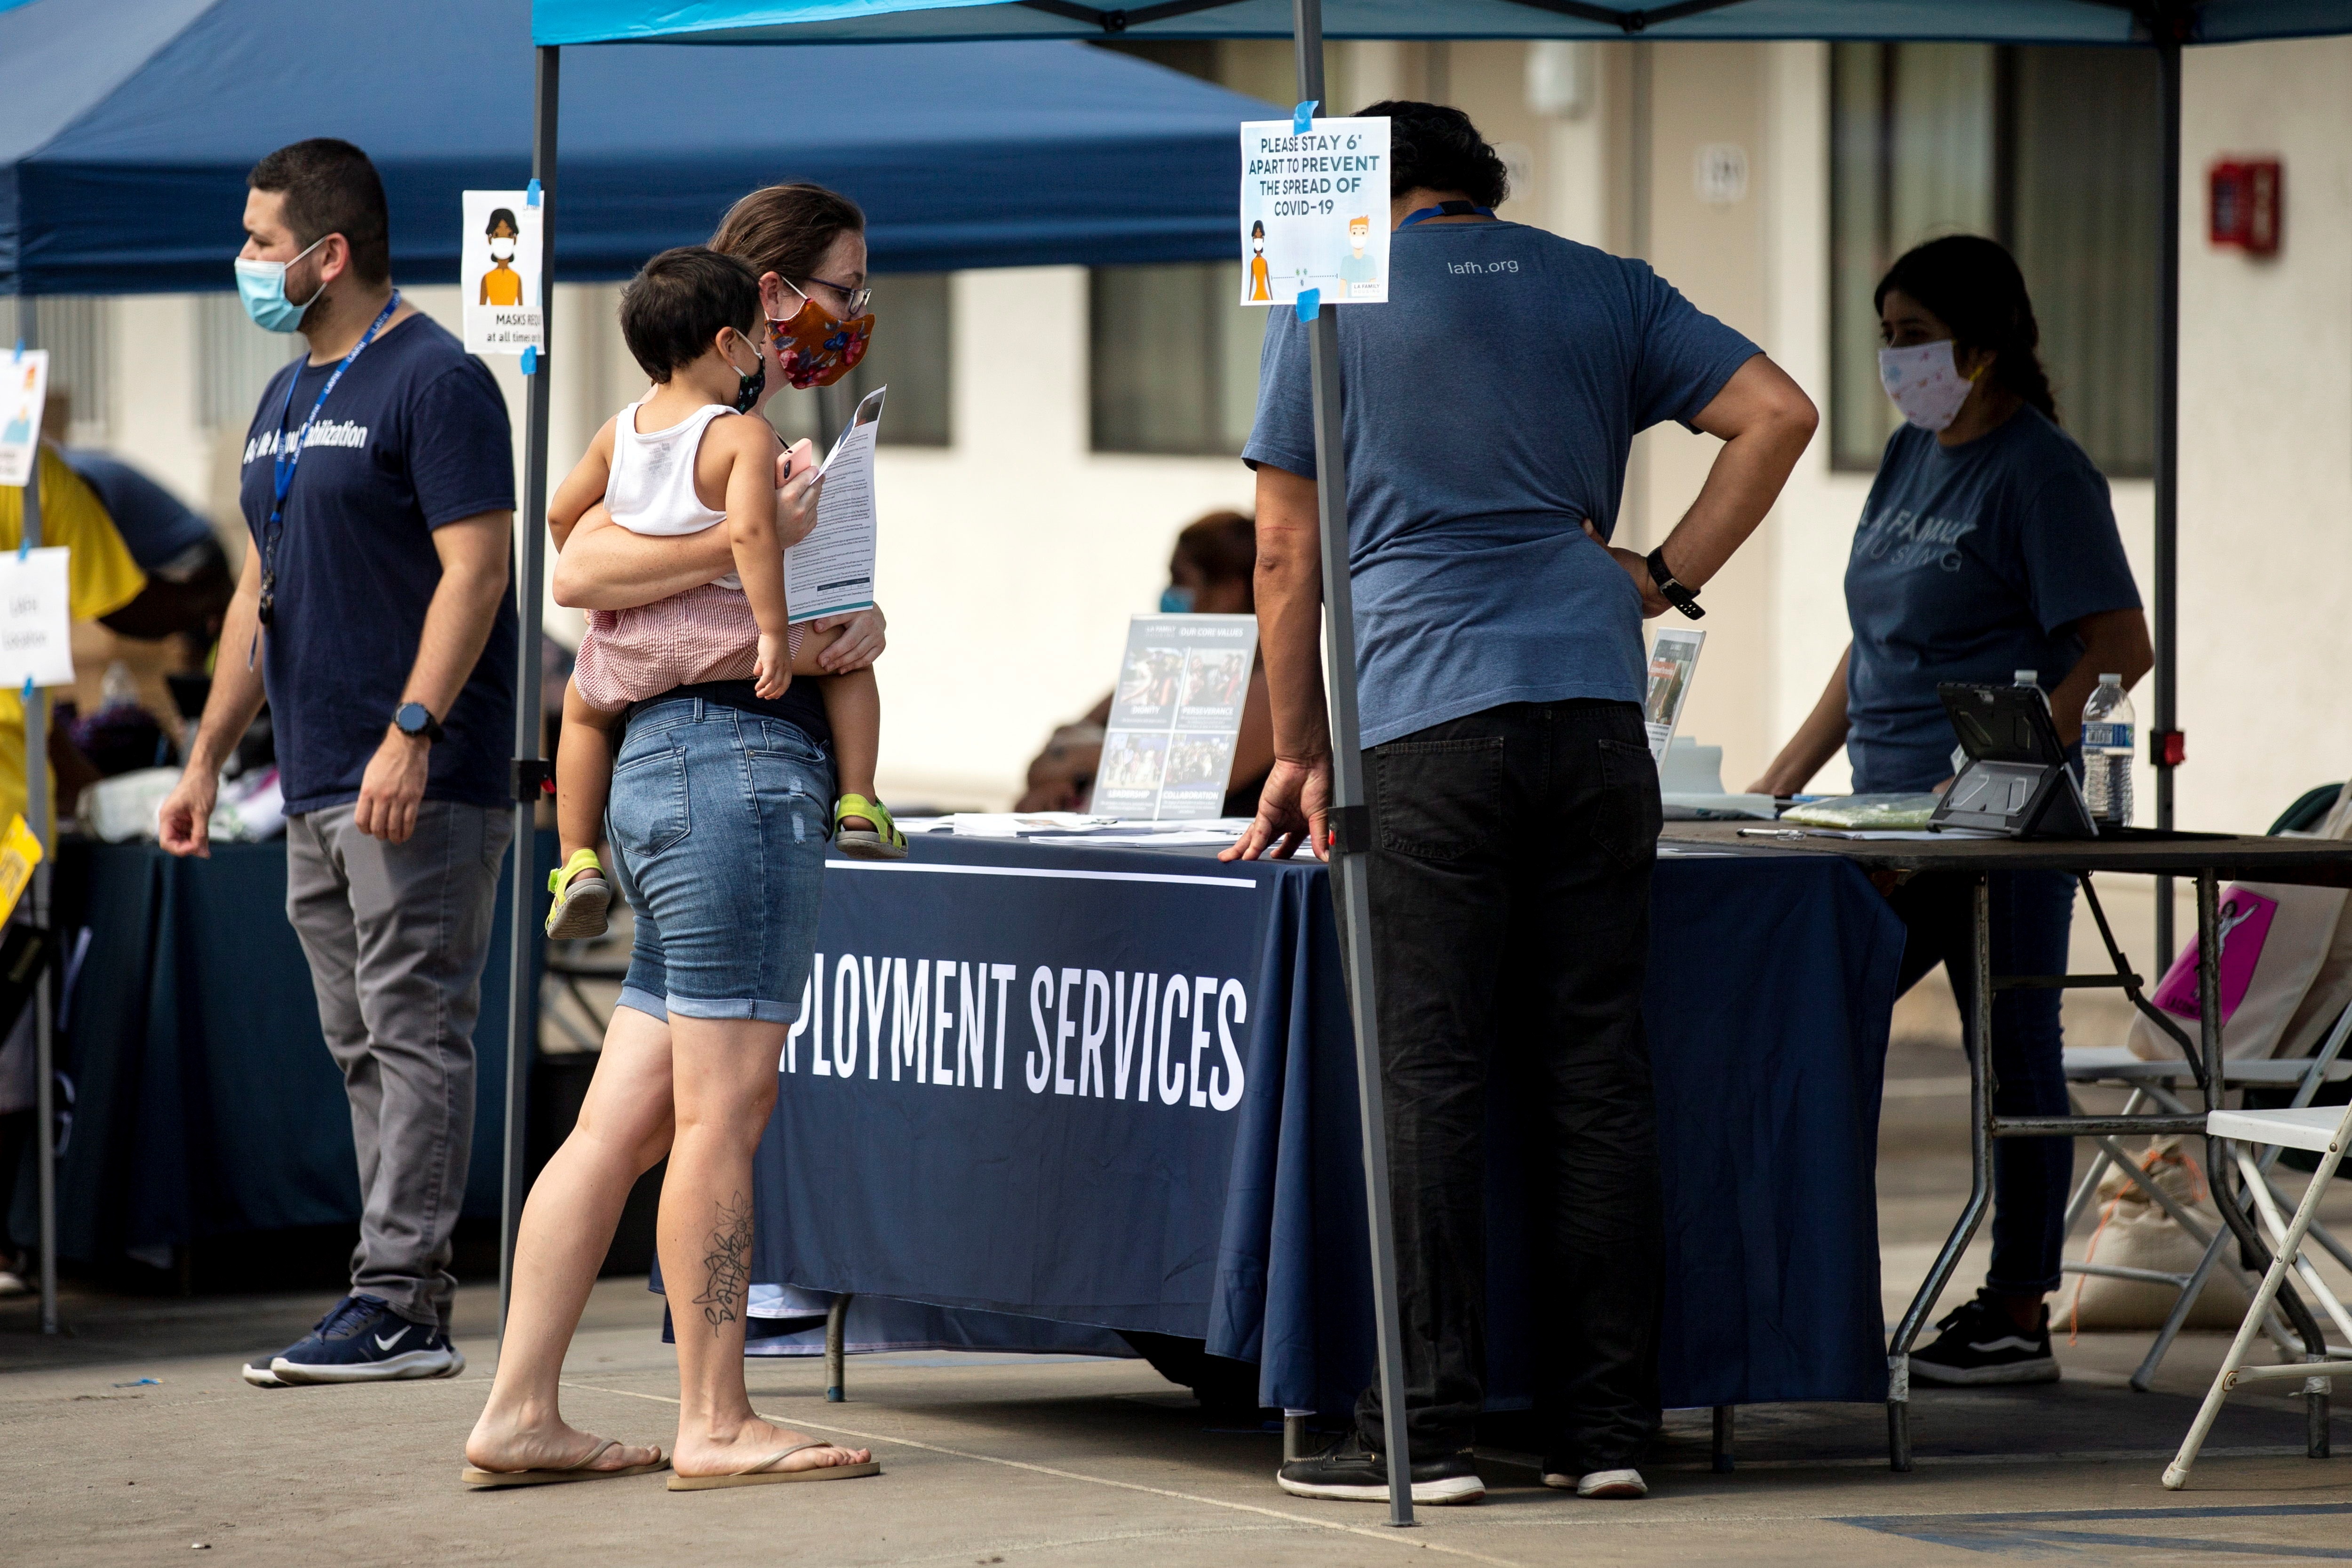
point(730, 1263)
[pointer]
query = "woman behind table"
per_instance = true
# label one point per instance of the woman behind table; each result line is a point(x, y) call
point(1987, 547)
point(717, 823)
point(1210, 573)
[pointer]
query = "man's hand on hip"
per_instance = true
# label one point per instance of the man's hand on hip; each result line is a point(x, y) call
point(1637, 567)
point(393, 787)
point(184, 822)
point(1292, 809)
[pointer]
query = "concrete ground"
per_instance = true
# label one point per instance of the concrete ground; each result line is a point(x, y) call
point(135, 1442)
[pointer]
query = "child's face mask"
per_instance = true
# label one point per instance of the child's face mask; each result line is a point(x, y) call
point(813, 349)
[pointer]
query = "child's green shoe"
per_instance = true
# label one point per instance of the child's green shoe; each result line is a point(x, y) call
point(883, 841)
point(583, 898)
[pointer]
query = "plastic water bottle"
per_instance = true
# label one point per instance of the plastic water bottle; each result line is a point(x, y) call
point(2109, 729)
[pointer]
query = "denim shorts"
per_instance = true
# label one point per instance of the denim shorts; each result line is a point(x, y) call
point(717, 823)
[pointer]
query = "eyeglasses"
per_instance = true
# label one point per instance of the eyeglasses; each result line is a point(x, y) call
point(858, 298)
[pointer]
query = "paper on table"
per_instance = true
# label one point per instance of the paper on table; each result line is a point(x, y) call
point(832, 569)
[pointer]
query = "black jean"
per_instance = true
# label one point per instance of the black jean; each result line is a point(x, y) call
point(1510, 898)
point(2032, 911)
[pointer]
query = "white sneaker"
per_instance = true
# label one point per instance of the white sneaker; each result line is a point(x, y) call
point(1627, 1483)
point(12, 1283)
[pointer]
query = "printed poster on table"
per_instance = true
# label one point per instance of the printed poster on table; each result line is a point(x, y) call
point(1314, 211)
point(1174, 713)
point(498, 273)
point(23, 384)
point(1674, 659)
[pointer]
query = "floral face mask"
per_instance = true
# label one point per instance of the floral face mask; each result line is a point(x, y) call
point(813, 349)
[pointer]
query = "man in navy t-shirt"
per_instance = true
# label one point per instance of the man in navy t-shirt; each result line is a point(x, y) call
point(1489, 407)
point(378, 484)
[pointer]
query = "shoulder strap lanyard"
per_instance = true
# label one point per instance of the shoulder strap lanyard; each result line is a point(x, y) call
point(1445, 209)
point(285, 459)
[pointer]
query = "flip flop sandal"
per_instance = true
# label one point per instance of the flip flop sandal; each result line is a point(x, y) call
point(583, 898)
point(881, 842)
point(483, 1481)
point(759, 1475)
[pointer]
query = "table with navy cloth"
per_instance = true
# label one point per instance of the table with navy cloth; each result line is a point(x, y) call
point(986, 1162)
point(205, 1102)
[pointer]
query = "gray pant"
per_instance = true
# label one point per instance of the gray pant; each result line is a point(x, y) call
point(395, 935)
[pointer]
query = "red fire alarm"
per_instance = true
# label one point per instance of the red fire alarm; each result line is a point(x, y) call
point(2246, 203)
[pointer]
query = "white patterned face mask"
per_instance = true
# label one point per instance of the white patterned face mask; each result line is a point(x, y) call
point(1925, 383)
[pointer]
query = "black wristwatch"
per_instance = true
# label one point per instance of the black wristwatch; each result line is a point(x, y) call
point(414, 719)
point(1682, 598)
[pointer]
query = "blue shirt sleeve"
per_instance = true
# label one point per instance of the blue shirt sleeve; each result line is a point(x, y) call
point(1685, 355)
point(2073, 552)
point(460, 447)
point(1283, 432)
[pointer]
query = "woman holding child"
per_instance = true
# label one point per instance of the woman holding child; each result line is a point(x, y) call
point(720, 726)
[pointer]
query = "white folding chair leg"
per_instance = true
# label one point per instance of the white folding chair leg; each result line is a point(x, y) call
point(2267, 1203)
point(2289, 1249)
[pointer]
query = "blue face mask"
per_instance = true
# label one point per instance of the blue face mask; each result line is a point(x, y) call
point(262, 286)
point(1175, 601)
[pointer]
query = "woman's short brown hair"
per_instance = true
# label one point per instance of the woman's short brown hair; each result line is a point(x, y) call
point(1221, 547)
point(787, 229)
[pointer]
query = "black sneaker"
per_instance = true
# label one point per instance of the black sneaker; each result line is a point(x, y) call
point(1982, 1343)
point(1347, 1471)
point(363, 1340)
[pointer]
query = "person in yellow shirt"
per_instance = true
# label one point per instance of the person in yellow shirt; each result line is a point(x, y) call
point(101, 580)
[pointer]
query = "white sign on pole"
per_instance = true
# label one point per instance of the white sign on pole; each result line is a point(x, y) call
point(23, 384)
point(498, 273)
point(36, 632)
point(1314, 211)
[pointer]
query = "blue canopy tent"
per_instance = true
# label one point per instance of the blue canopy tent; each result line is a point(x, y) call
point(128, 130)
point(2167, 26)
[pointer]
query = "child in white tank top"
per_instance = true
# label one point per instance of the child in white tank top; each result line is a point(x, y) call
point(675, 463)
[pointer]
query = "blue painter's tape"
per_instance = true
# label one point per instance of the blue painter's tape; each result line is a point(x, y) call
point(28, 691)
point(531, 359)
point(530, 195)
point(1310, 303)
point(24, 548)
point(1302, 118)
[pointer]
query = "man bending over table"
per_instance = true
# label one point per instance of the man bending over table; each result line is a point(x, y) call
point(1489, 409)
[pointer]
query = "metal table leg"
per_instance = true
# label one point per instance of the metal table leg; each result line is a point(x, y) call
point(1980, 1087)
point(836, 1316)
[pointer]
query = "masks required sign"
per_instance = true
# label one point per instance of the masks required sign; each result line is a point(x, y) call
point(498, 273)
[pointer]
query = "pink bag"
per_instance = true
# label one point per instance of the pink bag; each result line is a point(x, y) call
point(2244, 921)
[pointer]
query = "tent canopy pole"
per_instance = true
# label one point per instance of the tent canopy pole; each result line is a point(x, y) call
point(529, 768)
point(1349, 827)
point(2163, 744)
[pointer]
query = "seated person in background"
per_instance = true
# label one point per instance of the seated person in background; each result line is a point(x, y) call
point(103, 583)
point(189, 582)
point(1212, 572)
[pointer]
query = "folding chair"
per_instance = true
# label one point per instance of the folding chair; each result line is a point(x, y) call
point(2153, 1086)
point(2326, 1130)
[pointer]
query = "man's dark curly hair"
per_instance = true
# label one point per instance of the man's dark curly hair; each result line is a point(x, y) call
point(1431, 147)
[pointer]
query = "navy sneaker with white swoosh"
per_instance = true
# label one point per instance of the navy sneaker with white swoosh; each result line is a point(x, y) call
point(363, 1340)
point(1982, 1343)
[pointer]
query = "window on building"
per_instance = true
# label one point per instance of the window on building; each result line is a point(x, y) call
point(1172, 359)
point(76, 330)
point(913, 353)
point(2053, 151)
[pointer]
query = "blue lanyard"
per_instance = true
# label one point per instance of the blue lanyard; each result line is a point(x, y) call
point(1446, 209)
point(285, 461)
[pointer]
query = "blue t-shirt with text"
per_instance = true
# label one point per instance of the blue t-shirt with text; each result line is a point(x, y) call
point(1488, 411)
point(1971, 563)
point(415, 436)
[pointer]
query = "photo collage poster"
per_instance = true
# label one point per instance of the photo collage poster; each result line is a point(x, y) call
point(1169, 753)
